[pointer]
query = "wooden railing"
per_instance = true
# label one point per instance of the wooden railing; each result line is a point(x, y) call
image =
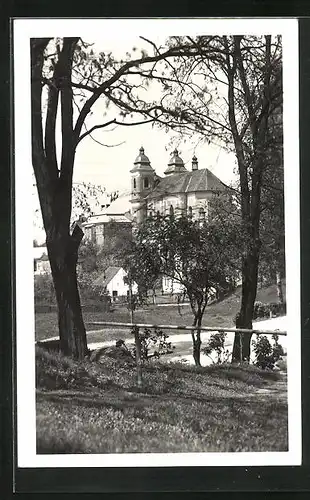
point(186, 328)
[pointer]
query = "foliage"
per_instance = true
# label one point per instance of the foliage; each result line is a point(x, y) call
point(44, 292)
point(200, 255)
point(154, 343)
point(89, 260)
point(67, 80)
point(216, 343)
point(87, 198)
point(231, 93)
point(194, 73)
point(272, 234)
point(90, 292)
point(266, 354)
point(262, 310)
point(117, 243)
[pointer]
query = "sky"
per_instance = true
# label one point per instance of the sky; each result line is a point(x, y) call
point(109, 166)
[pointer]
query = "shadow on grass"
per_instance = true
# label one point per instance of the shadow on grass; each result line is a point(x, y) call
point(123, 399)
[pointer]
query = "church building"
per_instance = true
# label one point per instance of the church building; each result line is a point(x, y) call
point(180, 191)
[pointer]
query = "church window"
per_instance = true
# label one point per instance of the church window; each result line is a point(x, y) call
point(190, 212)
point(171, 210)
point(146, 182)
point(134, 183)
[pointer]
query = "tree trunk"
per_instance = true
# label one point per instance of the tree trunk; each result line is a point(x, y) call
point(196, 336)
point(279, 287)
point(138, 356)
point(242, 342)
point(135, 330)
point(62, 252)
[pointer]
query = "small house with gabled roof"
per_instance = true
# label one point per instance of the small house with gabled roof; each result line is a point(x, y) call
point(113, 281)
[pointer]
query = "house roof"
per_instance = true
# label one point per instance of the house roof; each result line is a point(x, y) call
point(105, 278)
point(187, 182)
point(118, 211)
point(120, 206)
point(104, 219)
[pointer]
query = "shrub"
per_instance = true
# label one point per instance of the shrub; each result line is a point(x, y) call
point(216, 343)
point(262, 310)
point(154, 343)
point(266, 355)
point(92, 294)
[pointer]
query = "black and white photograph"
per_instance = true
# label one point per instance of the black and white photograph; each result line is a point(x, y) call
point(157, 242)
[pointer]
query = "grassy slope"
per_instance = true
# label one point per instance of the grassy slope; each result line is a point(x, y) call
point(220, 314)
point(91, 408)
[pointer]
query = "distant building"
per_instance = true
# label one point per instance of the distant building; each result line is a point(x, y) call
point(113, 280)
point(180, 192)
point(41, 263)
point(114, 223)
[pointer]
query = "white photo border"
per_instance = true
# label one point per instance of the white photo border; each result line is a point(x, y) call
point(23, 30)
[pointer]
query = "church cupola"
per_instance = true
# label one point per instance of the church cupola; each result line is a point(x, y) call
point(142, 162)
point(176, 164)
point(142, 182)
point(194, 163)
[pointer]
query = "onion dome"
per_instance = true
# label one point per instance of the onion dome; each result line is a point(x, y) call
point(176, 164)
point(142, 162)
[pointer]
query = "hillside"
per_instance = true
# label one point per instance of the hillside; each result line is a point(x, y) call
point(96, 408)
point(219, 314)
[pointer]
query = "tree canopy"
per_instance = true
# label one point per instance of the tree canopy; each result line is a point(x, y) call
point(202, 256)
point(226, 89)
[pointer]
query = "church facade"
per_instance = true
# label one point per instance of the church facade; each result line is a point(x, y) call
point(180, 191)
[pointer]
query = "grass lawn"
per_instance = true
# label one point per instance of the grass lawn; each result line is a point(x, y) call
point(221, 314)
point(96, 408)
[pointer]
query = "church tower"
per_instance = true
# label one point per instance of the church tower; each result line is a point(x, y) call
point(142, 183)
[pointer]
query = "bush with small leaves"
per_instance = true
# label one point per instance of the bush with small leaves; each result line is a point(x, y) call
point(217, 343)
point(154, 343)
point(266, 354)
point(262, 310)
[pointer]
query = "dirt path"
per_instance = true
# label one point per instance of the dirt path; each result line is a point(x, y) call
point(277, 389)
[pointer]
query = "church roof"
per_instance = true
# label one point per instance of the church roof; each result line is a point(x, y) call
point(188, 182)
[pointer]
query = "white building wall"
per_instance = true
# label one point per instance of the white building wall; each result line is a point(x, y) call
point(171, 286)
point(117, 284)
